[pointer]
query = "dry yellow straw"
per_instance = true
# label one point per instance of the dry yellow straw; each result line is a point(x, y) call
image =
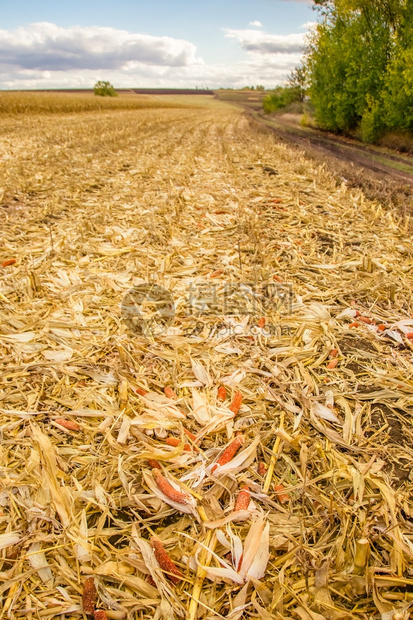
point(274, 457)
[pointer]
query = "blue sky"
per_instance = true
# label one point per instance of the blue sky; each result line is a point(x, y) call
point(46, 44)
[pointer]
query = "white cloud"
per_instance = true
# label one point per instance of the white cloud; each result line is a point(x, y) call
point(263, 43)
point(48, 56)
point(45, 46)
point(309, 25)
point(255, 70)
point(257, 24)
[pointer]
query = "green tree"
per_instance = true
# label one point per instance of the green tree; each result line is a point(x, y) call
point(397, 94)
point(358, 65)
point(104, 89)
point(347, 64)
point(298, 80)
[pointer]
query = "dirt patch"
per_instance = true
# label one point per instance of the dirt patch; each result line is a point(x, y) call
point(395, 434)
point(390, 426)
point(354, 346)
point(354, 350)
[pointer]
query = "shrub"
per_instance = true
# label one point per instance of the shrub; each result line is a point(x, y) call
point(104, 89)
point(371, 125)
point(281, 98)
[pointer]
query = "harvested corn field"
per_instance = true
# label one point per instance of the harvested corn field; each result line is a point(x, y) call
point(206, 376)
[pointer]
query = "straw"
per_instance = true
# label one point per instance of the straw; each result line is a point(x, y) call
point(95, 206)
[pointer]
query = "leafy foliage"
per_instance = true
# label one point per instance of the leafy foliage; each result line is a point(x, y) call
point(281, 98)
point(298, 80)
point(359, 66)
point(104, 89)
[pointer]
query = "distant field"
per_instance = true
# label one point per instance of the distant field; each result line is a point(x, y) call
point(12, 103)
point(52, 102)
point(137, 91)
point(248, 98)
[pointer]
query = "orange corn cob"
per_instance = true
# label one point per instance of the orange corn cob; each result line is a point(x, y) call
point(153, 464)
point(167, 489)
point(7, 263)
point(354, 324)
point(381, 327)
point(236, 403)
point(165, 561)
point(261, 322)
point(188, 433)
point(243, 499)
point(69, 424)
point(100, 615)
point(282, 497)
point(333, 352)
point(151, 581)
point(216, 273)
point(277, 278)
point(169, 393)
point(262, 468)
point(222, 393)
point(409, 335)
point(229, 452)
point(332, 364)
point(175, 442)
point(365, 319)
point(89, 597)
point(141, 391)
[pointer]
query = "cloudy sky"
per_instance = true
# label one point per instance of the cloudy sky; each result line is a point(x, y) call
point(169, 43)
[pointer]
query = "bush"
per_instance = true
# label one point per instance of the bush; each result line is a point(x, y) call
point(307, 120)
point(104, 89)
point(281, 98)
point(371, 125)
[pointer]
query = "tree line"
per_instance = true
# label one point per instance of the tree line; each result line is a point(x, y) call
point(358, 67)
